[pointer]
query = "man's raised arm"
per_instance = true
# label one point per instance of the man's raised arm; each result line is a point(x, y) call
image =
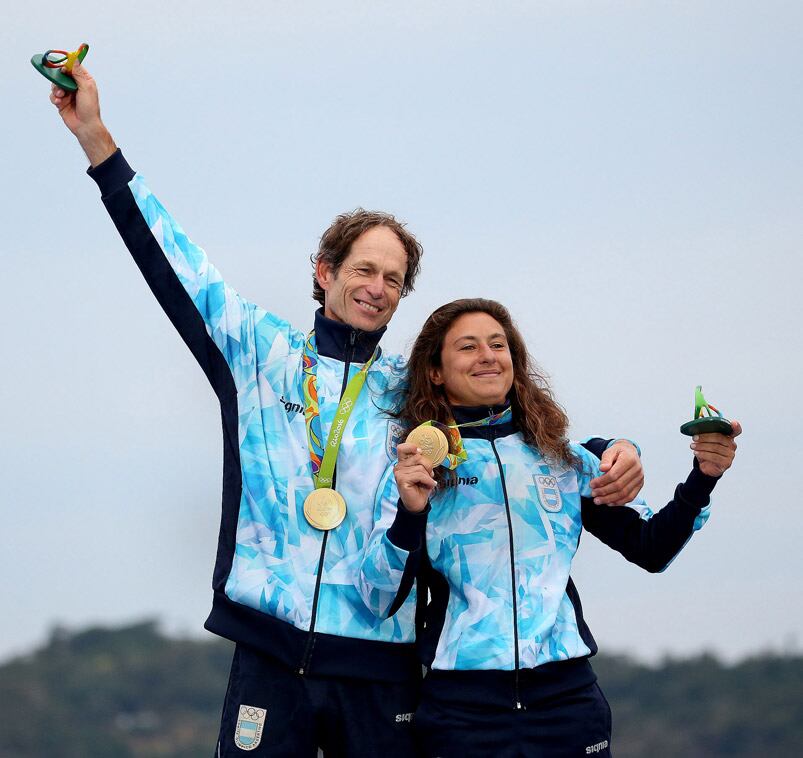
point(189, 288)
point(80, 112)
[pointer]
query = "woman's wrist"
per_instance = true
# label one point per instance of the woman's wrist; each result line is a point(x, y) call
point(413, 508)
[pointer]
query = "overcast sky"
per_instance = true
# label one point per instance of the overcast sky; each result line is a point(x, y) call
point(627, 177)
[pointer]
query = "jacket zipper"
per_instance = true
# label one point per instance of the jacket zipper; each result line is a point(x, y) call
point(311, 636)
point(516, 696)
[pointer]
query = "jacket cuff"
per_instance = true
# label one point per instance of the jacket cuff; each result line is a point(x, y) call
point(113, 174)
point(407, 529)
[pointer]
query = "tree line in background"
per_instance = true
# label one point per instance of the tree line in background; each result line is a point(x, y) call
point(133, 692)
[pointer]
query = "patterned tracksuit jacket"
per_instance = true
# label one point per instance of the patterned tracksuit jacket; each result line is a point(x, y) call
point(280, 586)
point(495, 552)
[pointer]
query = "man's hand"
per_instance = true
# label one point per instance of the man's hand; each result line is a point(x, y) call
point(80, 112)
point(413, 475)
point(622, 478)
point(715, 452)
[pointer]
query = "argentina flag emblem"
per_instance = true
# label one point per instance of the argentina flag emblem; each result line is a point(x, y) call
point(394, 437)
point(250, 723)
point(548, 493)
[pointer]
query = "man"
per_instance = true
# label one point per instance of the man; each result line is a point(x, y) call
point(313, 667)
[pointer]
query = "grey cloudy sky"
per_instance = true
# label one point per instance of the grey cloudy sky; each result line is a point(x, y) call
point(626, 176)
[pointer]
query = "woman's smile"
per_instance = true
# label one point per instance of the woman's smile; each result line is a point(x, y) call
point(476, 365)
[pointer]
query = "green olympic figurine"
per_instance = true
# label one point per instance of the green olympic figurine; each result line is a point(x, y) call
point(705, 422)
point(51, 63)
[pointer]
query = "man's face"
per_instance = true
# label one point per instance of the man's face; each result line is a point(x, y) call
point(366, 290)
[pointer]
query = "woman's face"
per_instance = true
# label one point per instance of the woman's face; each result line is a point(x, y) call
point(476, 366)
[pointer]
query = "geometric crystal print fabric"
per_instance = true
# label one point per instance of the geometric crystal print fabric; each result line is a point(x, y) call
point(276, 558)
point(468, 543)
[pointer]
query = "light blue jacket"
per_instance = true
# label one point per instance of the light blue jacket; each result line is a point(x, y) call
point(495, 552)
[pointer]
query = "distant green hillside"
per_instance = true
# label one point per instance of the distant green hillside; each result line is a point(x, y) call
point(134, 693)
point(121, 692)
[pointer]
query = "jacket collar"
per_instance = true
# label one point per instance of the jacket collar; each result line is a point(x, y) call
point(334, 339)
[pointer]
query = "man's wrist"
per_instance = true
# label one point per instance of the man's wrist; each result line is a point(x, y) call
point(97, 144)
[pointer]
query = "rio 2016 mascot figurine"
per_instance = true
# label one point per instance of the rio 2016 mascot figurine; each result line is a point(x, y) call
point(51, 63)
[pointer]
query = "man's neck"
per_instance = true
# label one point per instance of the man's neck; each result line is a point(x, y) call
point(331, 315)
point(335, 339)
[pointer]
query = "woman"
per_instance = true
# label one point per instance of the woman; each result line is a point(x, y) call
point(493, 539)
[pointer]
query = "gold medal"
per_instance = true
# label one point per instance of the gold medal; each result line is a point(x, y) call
point(324, 508)
point(432, 441)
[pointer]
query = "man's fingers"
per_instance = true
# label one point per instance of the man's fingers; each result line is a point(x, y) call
point(614, 478)
point(618, 461)
point(601, 482)
point(623, 479)
point(60, 98)
point(619, 495)
point(628, 495)
point(612, 489)
point(609, 457)
point(79, 73)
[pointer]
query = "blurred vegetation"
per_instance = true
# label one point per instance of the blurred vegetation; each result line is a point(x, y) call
point(136, 693)
point(129, 692)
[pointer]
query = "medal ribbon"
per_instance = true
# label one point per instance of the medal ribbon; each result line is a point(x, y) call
point(324, 456)
point(453, 460)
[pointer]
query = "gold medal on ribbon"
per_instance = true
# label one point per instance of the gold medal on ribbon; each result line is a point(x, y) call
point(432, 441)
point(324, 508)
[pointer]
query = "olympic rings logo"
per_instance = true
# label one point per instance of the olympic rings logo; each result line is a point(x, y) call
point(252, 713)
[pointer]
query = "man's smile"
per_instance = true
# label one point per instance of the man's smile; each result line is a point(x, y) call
point(368, 306)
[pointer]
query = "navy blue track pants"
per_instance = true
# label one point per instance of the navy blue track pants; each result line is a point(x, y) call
point(272, 711)
point(569, 725)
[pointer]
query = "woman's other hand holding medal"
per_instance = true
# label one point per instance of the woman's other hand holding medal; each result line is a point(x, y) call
point(413, 475)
